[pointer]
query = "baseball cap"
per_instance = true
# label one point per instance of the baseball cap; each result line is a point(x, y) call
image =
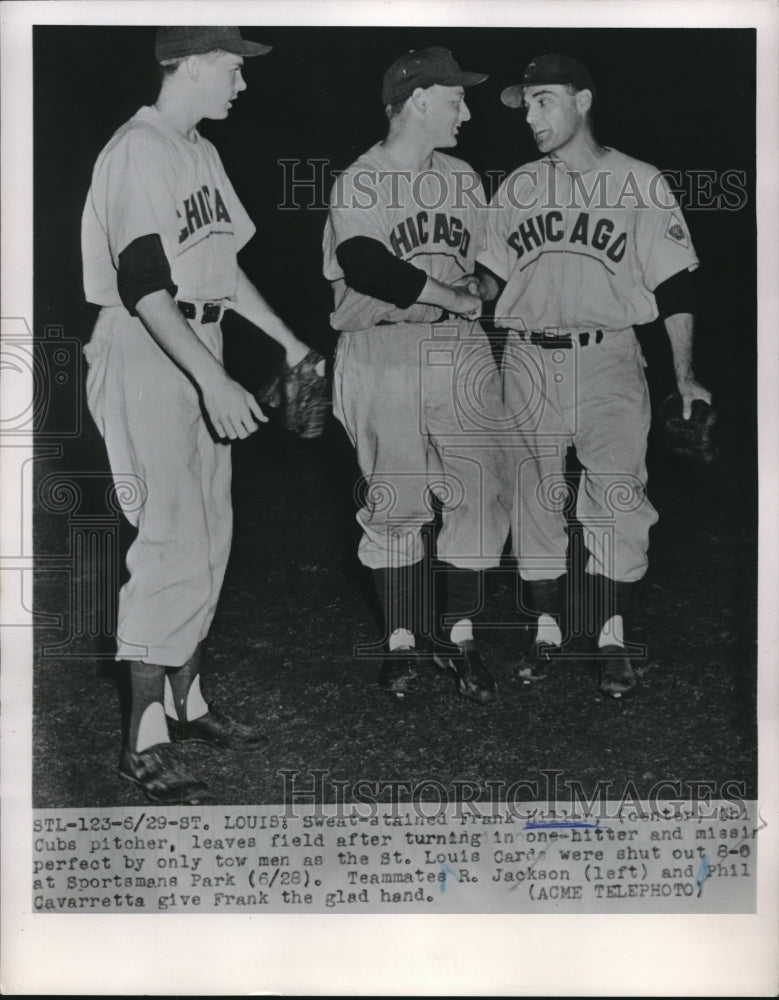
point(423, 68)
point(554, 68)
point(178, 42)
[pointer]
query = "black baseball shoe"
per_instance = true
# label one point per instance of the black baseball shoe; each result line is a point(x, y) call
point(398, 674)
point(534, 664)
point(162, 776)
point(474, 681)
point(217, 730)
point(616, 672)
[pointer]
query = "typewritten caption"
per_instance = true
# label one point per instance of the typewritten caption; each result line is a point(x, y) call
point(250, 859)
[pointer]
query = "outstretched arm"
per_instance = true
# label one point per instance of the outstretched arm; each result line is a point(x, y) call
point(233, 412)
point(676, 302)
point(457, 298)
point(680, 332)
point(369, 267)
point(250, 304)
point(147, 290)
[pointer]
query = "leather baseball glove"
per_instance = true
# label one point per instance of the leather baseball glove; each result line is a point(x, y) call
point(690, 438)
point(300, 394)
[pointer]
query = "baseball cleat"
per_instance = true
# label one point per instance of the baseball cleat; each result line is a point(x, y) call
point(162, 776)
point(398, 674)
point(616, 672)
point(218, 730)
point(474, 681)
point(535, 662)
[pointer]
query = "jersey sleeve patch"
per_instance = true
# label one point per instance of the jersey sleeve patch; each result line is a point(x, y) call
point(676, 232)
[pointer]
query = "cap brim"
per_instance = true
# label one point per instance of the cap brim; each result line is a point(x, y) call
point(471, 79)
point(462, 79)
point(512, 96)
point(252, 49)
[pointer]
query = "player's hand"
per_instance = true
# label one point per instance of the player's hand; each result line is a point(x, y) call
point(232, 410)
point(690, 390)
point(478, 284)
point(468, 283)
point(467, 304)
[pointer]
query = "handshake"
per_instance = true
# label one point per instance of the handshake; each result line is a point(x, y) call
point(471, 291)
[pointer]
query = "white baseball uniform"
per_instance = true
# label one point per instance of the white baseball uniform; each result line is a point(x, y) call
point(418, 394)
point(581, 255)
point(150, 180)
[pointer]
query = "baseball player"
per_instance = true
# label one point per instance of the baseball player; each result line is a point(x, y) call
point(415, 383)
point(582, 244)
point(160, 232)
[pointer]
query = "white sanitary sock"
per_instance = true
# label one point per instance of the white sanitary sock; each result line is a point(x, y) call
point(196, 703)
point(152, 728)
point(462, 631)
point(401, 638)
point(612, 633)
point(548, 630)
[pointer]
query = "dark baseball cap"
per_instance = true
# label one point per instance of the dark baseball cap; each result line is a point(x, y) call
point(549, 69)
point(179, 42)
point(423, 68)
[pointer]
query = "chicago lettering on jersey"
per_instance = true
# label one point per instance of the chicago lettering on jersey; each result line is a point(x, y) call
point(550, 227)
point(199, 210)
point(421, 230)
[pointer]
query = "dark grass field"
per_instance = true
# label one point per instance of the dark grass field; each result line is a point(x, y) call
point(294, 606)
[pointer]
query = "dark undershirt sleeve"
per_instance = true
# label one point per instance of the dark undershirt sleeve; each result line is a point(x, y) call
point(143, 269)
point(676, 294)
point(488, 312)
point(370, 268)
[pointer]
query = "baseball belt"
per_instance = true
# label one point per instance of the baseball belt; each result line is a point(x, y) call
point(202, 312)
point(551, 340)
point(548, 339)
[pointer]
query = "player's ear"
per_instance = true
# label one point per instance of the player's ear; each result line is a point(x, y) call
point(583, 100)
point(192, 66)
point(419, 98)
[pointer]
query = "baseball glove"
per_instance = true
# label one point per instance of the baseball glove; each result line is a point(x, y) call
point(690, 438)
point(300, 395)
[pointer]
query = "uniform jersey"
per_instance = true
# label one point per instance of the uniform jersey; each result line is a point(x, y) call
point(399, 390)
point(150, 180)
point(584, 251)
point(433, 220)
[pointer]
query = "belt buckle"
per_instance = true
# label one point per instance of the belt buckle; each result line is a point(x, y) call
point(207, 312)
point(549, 339)
point(187, 309)
point(212, 312)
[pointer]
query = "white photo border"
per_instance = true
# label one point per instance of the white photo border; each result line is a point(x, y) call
point(343, 954)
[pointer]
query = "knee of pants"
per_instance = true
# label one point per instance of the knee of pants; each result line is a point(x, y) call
point(399, 502)
point(393, 547)
point(395, 509)
point(539, 524)
point(185, 560)
point(474, 532)
point(618, 501)
point(619, 550)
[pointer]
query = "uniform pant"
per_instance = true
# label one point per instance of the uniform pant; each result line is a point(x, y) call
point(422, 405)
point(172, 481)
point(595, 398)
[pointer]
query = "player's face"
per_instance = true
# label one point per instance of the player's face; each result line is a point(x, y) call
point(553, 115)
point(447, 111)
point(220, 82)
